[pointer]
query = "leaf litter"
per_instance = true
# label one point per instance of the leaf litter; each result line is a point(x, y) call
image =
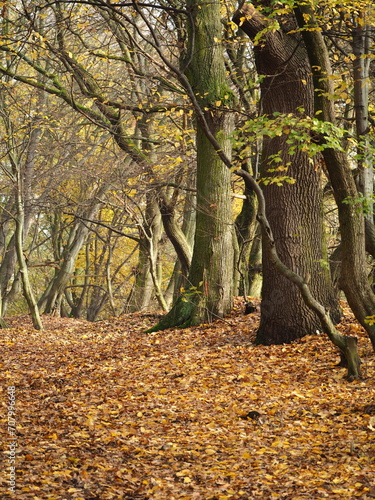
point(105, 411)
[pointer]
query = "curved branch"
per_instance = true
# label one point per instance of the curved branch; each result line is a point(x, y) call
point(346, 344)
point(175, 235)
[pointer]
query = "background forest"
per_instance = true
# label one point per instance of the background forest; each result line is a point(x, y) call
point(136, 137)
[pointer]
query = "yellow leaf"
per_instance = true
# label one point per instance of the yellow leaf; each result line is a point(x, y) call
point(210, 451)
point(246, 454)
point(371, 424)
point(182, 473)
point(298, 394)
point(260, 451)
point(187, 480)
point(90, 421)
point(277, 443)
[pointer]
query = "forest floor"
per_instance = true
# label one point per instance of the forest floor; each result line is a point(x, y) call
point(104, 411)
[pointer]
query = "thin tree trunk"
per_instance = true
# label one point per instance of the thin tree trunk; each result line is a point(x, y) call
point(51, 299)
point(175, 234)
point(361, 81)
point(27, 290)
point(143, 287)
point(108, 277)
point(255, 265)
point(3, 323)
point(178, 281)
point(150, 230)
point(245, 225)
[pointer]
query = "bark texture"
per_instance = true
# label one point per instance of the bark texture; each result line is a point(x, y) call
point(353, 279)
point(294, 211)
point(346, 344)
point(211, 269)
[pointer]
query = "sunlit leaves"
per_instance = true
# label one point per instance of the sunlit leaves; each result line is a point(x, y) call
point(370, 320)
point(301, 133)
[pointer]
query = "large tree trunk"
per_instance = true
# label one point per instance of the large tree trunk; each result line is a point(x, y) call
point(212, 264)
point(294, 211)
point(353, 278)
point(346, 344)
point(211, 271)
point(209, 291)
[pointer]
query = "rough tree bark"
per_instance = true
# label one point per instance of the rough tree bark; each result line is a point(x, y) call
point(294, 211)
point(353, 278)
point(346, 344)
